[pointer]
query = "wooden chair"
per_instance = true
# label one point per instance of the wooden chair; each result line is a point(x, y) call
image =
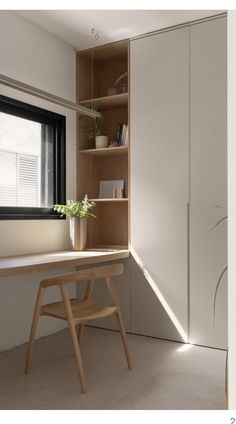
point(78, 311)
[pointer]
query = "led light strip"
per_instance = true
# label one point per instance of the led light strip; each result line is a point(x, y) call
point(28, 89)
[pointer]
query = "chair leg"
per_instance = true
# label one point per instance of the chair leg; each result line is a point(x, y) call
point(80, 332)
point(87, 296)
point(78, 356)
point(115, 302)
point(124, 338)
point(74, 337)
point(34, 325)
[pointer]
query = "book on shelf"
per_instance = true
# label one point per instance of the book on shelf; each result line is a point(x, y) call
point(111, 189)
point(122, 135)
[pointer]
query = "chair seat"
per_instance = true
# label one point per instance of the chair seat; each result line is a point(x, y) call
point(82, 310)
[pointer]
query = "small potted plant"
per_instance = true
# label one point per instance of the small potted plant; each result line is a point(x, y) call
point(94, 128)
point(78, 211)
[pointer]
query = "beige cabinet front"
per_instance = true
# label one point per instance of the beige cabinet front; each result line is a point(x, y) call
point(159, 119)
point(178, 183)
point(208, 181)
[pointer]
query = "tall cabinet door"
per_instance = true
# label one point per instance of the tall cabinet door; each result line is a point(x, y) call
point(159, 115)
point(208, 183)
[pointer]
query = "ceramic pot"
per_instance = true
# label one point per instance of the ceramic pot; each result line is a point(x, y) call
point(101, 141)
point(78, 233)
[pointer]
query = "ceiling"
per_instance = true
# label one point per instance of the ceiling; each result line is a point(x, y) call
point(74, 26)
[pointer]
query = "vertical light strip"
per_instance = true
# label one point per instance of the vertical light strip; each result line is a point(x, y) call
point(188, 271)
point(189, 183)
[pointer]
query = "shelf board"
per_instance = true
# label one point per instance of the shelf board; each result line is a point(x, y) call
point(108, 248)
point(108, 102)
point(107, 53)
point(107, 151)
point(123, 199)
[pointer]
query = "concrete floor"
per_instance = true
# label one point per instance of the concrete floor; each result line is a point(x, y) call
point(164, 375)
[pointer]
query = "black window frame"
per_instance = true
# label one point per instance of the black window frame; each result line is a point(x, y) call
point(27, 111)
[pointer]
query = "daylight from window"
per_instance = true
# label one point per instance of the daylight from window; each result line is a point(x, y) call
point(20, 161)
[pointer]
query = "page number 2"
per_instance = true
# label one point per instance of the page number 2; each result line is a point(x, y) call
point(232, 420)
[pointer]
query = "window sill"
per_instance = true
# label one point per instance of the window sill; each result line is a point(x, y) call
point(15, 213)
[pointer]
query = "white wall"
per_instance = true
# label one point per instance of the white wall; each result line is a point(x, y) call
point(232, 205)
point(35, 57)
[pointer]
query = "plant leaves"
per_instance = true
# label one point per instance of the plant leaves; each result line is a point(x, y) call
point(76, 208)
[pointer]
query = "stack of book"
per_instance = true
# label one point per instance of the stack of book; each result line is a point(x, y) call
point(122, 135)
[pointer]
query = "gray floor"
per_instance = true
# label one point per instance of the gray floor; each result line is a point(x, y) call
point(164, 376)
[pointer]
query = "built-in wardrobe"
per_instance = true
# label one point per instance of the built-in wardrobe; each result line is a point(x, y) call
point(178, 188)
point(178, 172)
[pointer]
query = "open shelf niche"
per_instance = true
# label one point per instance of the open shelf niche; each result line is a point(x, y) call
point(111, 228)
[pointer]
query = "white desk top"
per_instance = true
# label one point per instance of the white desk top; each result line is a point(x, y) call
point(18, 265)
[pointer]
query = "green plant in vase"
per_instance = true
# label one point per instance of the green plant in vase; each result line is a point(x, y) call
point(78, 211)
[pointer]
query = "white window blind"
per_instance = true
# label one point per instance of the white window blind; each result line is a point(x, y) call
point(19, 179)
point(32, 161)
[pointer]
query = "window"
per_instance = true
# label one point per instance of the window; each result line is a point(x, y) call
point(32, 161)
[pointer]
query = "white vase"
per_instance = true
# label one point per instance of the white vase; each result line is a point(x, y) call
point(78, 233)
point(101, 141)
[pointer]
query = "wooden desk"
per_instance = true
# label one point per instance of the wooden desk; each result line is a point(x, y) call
point(18, 265)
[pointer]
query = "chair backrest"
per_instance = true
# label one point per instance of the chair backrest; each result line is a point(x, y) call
point(106, 271)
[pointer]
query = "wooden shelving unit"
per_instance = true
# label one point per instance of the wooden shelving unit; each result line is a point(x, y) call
point(111, 228)
point(108, 151)
point(124, 199)
point(108, 102)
